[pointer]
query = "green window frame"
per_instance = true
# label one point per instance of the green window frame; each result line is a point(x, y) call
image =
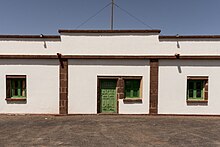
point(195, 89)
point(16, 87)
point(132, 88)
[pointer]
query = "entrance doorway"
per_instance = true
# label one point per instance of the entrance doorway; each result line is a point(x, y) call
point(108, 98)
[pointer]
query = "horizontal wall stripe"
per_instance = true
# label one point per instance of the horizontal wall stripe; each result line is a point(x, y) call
point(108, 57)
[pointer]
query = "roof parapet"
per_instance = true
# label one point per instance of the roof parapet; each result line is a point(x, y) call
point(191, 37)
point(31, 36)
point(109, 31)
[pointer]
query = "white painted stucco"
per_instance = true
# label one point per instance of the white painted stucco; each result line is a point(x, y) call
point(135, 44)
point(43, 75)
point(82, 84)
point(108, 44)
point(173, 84)
point(29, 47)
point(42, 86)
point(112, 44)
point(192, 47)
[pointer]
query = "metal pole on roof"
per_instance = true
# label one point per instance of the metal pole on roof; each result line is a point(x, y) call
point(112, 15)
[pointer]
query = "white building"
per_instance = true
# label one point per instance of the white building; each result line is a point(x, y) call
point(109, 71)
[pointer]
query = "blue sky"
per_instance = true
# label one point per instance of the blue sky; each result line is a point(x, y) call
point(184, 17)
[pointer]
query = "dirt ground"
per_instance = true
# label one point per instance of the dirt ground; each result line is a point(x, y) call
point(109, 130)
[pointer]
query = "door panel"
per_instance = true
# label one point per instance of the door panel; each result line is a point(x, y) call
point(108, 96)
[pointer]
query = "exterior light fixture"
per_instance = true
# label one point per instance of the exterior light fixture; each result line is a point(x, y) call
point(177, 42)
point(45, 45)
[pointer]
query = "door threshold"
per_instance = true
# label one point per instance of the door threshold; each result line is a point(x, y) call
point(107, 113)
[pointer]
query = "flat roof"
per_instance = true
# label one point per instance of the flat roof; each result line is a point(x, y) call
point(109, 31)
point(191, 37)
point(165, 37)
point(31, 36)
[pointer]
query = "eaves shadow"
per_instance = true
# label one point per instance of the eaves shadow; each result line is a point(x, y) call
point(109, 62)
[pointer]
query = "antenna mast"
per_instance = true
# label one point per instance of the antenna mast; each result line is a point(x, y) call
point(112, 15)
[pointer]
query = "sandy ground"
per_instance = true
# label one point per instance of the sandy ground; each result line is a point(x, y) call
point(109, 130)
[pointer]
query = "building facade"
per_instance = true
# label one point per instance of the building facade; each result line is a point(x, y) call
point(109, 71)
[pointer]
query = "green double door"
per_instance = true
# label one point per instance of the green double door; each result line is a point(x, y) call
point(108, 96)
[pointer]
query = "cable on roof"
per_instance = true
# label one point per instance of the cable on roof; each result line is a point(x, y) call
point(142, 22)
point(128, 13)
point(92, 16)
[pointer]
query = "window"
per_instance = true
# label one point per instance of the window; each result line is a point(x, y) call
point(197, 89)
point(132, 88)
point(16, 87)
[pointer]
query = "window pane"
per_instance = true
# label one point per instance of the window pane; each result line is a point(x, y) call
point(136, 84)
point(135, 93)
point(198, 89)
point(131, 93)
point(198, 94)
point(15, 87)
point(195, 89)
point(199, 85)
point(127, 93)
point(190, 93)
point(128, 84)
point(191, 85)
point(18, 87)
point(127, 88)
point(132, 88)
point(16, 84)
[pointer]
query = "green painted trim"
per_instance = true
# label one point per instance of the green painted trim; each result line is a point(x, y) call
point(195, 90)
point(132, 88)
point(19, 88)
point(108, 96)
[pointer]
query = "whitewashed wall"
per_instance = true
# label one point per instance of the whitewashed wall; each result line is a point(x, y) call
point(83, 83)
point(112, 44)
point(43, 80)
point(173, 86)
point(108, 44)
point(42, 86)
point(192, 47)
point(21, 46)
point(135, 44)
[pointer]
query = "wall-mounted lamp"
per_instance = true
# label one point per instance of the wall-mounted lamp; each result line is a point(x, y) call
point(177, 42)
point(42, 36)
